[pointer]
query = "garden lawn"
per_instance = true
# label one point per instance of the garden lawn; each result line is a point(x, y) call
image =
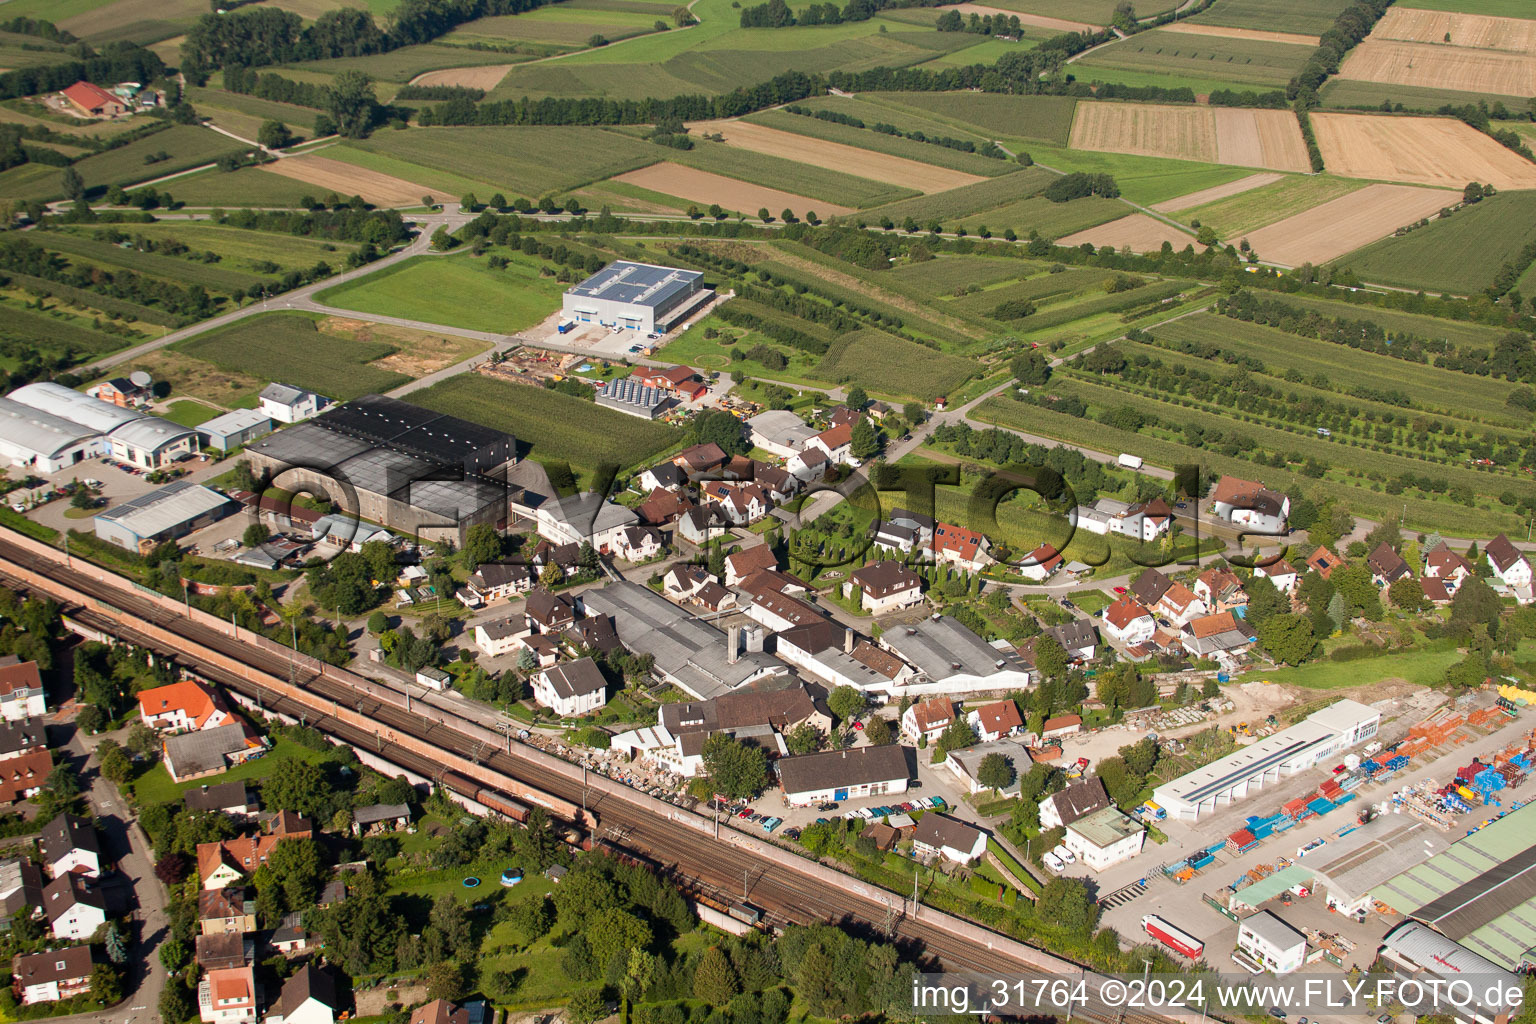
point(155, 785)
point(189, 413)
point(1421, 667)
point(457, 291)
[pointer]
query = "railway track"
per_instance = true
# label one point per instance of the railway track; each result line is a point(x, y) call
point(786, 887)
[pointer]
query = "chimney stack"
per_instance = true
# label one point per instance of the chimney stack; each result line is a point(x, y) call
point(847, 639)
point(732, 644)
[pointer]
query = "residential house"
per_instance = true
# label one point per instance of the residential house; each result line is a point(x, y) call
point(779, 431)
point(24, 775)
point(1387, 566)
point(586, 516)
point(231, 861)
point(439, 1011)
point(962, 548)
point(846, 774)
point(289, 937)
point(666, 476)
point(836, 443)
point(594, 633)
point(25, 736)
point(639, 543)
point(884, 664)
point(1061, 725)
point(1435, 591)
point(230, 909)
point(779, 484)
point(740, 503)
point(965, 764)
point(194, 755)
point(905, 531)
point(1078, 800)
point(808, 465)
point(21, 690)
point(231, 798)
point(547, 612)
point(1511, 567)
point(843, 415)
point(1179, 604)
point(52, 975)
point(996, 720)
point(69, 845)
point(119, 391)
point(772, 581)
point(1323, 561)
point(1222, 633)
point(1267, 943)
point(1104, 838)
point(700, 459)
point(227, 996)
point(1250, 504)
point(885, 587)
point(21, 886)
point(712, 597)
point(1220, 590)
point(702, 523)
point(939, 835)
point(218, 952)
point(1040, 564)
point(1143, 521)
point(309, 997)
point(577, 688)
point(661, 507)
point(681, 382)
point(502, 636)
point(1445, 565)
point(376, 818)
point(927, 720)
point(73, 910)
point(186, 706)
point(1128, 622)
point(741, 564)
point(289, 404)
point(748, 715)
point(683, 581)
point(823, 650)
point(780, 611)
point(495, 581)
point(567, 557)
point(1077, 638)
point(1281, 574)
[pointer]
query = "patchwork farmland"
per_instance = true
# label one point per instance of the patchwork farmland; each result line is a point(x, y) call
point(1252, 138)
point(703, 187)
point(1420, 150)
point(1342, 225)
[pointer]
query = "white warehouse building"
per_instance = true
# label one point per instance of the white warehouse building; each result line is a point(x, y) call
point(635, 296)
point(1321, 736)
point(46, 427)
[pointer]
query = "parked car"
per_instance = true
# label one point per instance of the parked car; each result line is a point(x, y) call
point(828, 806)
point(1277, 1013)
point(1338, 769)
point(772, 823)
point(1053, 862)
point(1119, 590)
point(745, 812)
point(1065, 855)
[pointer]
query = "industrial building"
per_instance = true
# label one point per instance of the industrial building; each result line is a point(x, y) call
point(1414, 950)
point(636, 297)
point(1480, 893)
point(949, 658)
point(1321, 735)
point(174, 510)
point(1352, 868)
point(233, 429)
point(46, 427)
point(1266, 942)
point(405, 467)
point(632, 398)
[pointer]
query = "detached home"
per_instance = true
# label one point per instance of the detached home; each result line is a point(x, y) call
point(186, 706)
point(885, 587)
point(927, 720)
point(836, 444)
point(954, 840)
point(1078, 800)
point(227, 996)
point(1281, 574)
point(51, 976)
point(1387, 566)
point(289, 404)
point(1447, 566)
point(576, 688)
point(1511, 567)
point(1128, 622)
point(69, 845)
point(1250, 504)
point(73, 911)
point(962, 548)
point(996, 720)
point(309, 997)
point(1104, 838)
point(21, 690)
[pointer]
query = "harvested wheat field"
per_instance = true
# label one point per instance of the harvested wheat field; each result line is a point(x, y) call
point(1344, 224)
point(1217, 135)
point(1476, 31)
point(486, 76)
point(703, 187)
point(1191, 29)
point(1215, 192)
point(1140, 232)
point(1431, 66)
point(835, 156)
point(345, 179)
point(1037, 20)
point(1421, 150)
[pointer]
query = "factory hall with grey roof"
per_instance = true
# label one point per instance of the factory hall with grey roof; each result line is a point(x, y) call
point(635, 296)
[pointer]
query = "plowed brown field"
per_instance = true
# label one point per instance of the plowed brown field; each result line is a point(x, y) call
point(1191, 29)
point(1140, 232)
point(1422, 150)
point(703, 187)
point(1343, 225)
point(1477, 31)
point(345, 179)
point(835, 156)
point(1437, 66)
point(484, 77)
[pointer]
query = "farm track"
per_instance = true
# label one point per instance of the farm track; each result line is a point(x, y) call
point(791, 891)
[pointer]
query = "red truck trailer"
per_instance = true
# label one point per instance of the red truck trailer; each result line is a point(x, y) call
point(1175, 939)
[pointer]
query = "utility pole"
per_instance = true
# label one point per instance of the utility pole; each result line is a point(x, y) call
point(914, 895)
point(744, 873)
point(186, 597)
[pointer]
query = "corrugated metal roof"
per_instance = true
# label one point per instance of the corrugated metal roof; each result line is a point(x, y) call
point(32, 430)
point(152, 514)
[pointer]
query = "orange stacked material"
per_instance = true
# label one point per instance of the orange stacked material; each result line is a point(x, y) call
point(1485, 716)
point(1437, 728)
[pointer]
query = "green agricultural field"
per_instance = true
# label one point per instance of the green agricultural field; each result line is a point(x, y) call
point(944, 275)
point(1344, 93)
point(1311, 17)
point(1459, 255)
point(1410, 323)
point(529, 162)
point(919, 319)
point(289, 347)
point(864, 138)
point(1142, 179)
point(241, 249)
point(561, 26)
point(718, 353)
point(1092, 304)
point(56, 332)
point(1294, 193)
point(1051, 220)
point(21, 51)
point(101, 21)
point(990, 51)
point(1249, 62)
point(893, 366)
point(1045, 119)
point(556, 426)
point(402, 65)
point(189, 413)
point(249, 186)
point(1092, 12)
point(871, 112)
point(244, 115)
point(1441, 391)
point(1491, 8)
point(789, 176)
point(966, 200)
point(1038, 288)
point(177, 269)
point(457, 291)
point(184, 145)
